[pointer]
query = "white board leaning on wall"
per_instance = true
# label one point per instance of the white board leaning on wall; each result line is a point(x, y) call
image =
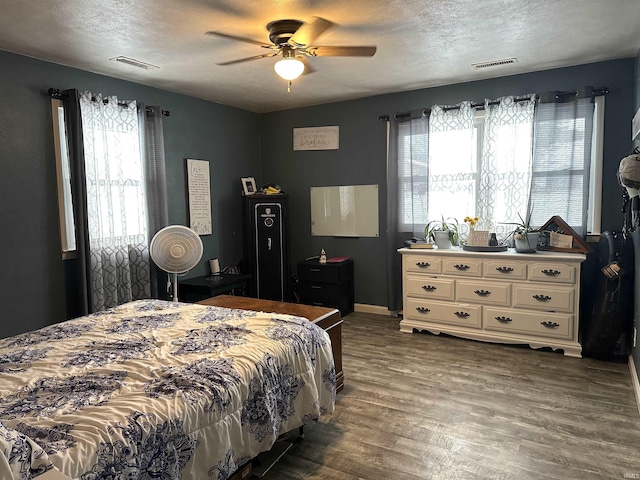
point(344, 211)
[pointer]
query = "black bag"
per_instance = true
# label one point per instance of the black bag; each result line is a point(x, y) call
point(612, 314)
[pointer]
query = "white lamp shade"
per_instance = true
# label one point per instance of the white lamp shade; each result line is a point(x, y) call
point(289, 68)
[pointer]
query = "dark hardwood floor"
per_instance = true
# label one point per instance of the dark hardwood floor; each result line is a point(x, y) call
point(420, 406)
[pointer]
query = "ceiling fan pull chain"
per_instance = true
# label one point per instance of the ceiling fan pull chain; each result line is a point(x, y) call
point(289, 87)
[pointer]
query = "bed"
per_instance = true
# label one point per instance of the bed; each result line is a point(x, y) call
point(158, 390)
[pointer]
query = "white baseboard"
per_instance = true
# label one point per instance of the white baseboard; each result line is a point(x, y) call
point(377, 309)
point(635, 381)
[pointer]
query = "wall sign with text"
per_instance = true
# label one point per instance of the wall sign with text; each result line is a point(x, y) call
point(316, 138)
point(199, 196)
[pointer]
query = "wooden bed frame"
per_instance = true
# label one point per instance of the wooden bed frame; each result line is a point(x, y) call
point(327, 318)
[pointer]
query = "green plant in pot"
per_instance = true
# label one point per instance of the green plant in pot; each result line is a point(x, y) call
point(525, 236)
point(444, 232)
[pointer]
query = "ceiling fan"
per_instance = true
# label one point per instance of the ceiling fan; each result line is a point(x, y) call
point(294, 40)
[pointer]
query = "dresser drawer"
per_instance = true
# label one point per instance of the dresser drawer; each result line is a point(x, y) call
point(468, 267)
point(530, 323)
point(417, 264)
point(445, 313)
point(543, 297)
point(552, 272)
point(430, 287)
point(481, 291)
point(314, 271)
point(505, 269)
point(318, 290)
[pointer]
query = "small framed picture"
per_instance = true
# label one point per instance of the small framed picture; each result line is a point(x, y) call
point(249, 185)
point(478, 238)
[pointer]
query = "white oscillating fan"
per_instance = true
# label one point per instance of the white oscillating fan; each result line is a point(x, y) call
point(176, 250)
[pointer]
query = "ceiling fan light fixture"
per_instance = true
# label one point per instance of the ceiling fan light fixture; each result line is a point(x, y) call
point(289, 68)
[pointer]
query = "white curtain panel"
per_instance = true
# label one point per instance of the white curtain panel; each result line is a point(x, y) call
point(452, 167)
point(117, 208)
point(505, 172)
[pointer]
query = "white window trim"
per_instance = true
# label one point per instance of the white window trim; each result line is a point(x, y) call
point(594, 219)
point(67, 226)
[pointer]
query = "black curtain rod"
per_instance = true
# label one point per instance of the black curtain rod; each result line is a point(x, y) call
point(57, 94)
point(480, 106)
point(166, 113)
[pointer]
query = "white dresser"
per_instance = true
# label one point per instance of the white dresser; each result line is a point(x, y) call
point(503, 297)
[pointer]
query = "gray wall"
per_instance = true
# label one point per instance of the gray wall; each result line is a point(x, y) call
point(361, 158)
point(32, 272)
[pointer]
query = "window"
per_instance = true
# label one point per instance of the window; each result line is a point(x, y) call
point(63, 170)
point(495, 166)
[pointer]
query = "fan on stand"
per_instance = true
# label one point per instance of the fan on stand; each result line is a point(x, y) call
point(176, 250)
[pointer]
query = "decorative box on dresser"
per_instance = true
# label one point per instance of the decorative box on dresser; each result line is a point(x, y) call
point(503, 297)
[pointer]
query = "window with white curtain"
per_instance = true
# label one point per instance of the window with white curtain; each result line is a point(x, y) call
point(500, 162)
point(116, 201)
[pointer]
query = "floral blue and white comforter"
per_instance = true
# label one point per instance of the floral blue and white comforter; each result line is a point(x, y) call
point(158, 390)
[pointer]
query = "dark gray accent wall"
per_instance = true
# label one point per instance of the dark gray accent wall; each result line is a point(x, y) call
point(31, 270)
point(361, 158)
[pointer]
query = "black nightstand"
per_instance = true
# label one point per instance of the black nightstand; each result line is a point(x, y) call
point(327, 284)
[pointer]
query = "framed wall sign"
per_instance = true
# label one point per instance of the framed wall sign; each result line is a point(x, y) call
point(316, 138)
point(199, 196)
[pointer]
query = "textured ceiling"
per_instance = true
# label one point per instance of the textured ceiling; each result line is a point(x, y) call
point(421, 43)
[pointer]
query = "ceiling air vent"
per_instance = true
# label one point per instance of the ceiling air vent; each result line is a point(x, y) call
point(494, 63)
point(134, 63)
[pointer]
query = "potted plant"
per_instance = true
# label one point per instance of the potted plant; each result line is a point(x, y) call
point(444, 232)
point(525, 236)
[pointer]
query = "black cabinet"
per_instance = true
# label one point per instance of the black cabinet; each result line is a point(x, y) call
point(327, 284)
point(266, 246)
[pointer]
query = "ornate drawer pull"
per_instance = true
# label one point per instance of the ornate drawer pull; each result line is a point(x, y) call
point(504, 269)
point(461, 314)
point(429, 288)
point(504, 319)
point(482, 293)
point(542, 298)
point(461, 267)
point(423, 264)
point(423, 309)
point(551, 273)
point(550, 324)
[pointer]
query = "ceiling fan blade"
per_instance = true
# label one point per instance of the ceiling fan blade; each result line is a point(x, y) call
point(241, 39)
point(308, 32)
point(247, 59)
point(340, 51)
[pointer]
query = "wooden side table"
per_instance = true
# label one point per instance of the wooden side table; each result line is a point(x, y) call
point(327, 318)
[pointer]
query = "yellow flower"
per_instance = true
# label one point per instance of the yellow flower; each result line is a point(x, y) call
point(472, 221)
